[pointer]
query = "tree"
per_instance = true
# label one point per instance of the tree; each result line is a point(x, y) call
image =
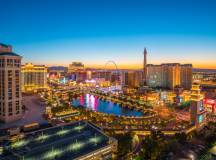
point(170, 146)
point(152, 145)
point(70, 96)
point(181, 138)
point(124, 144)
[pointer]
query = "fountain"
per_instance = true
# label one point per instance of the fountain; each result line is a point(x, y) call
point(52, 154)
point(19, 143)
point(79, 127)
point(42, 137)
point(63, 131)
point(75, 146)
point(95, 139)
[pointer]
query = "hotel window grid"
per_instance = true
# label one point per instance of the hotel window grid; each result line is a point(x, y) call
point(17, 107)
point(10, 76)
point(9, 62)
point(3, 110)
point(2, 85)
point(17, 63)
point(10, 109)
point(17, 78)
point(2, 62)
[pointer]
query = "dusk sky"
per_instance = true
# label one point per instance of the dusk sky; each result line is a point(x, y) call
point(58, 32)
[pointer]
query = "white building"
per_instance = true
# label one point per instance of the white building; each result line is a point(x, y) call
point(10, 84)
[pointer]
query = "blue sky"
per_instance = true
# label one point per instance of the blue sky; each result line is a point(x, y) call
point(57, 32)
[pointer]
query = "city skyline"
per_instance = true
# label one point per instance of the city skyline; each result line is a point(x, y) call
point(107, 79)
point(96, 32)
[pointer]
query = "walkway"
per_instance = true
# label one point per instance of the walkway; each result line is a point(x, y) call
point(34, 112)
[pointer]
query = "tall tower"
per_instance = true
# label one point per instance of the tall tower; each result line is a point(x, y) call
point(145, 67)
point(10, 84)
point(197, 110)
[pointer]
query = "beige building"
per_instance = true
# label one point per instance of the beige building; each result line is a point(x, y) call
point(10, 84)
point(169, 75)
point(186, 76)
point(132, 78)
point(34, 77)
point(154, 75)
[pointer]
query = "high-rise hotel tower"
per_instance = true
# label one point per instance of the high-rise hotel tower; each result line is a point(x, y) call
point(10, 84)
point(167, 75)
point(170, 75)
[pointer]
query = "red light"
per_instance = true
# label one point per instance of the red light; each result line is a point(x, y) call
point(210, 101)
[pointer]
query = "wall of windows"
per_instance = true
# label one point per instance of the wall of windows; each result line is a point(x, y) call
point(10, 91)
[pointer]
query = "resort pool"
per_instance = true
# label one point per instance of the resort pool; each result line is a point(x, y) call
point(94, 103)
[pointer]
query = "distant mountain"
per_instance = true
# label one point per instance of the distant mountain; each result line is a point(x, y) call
point(203, 70)
point(58, 68)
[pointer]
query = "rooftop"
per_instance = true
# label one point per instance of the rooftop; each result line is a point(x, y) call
point(169, 64)
point(9, 54)
point(60, 143)
point(4, 45)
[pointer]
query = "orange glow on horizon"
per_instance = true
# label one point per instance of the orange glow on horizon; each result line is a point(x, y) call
point(133, 66)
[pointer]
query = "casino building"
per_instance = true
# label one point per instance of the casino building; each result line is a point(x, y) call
point(34, 77)
point(197, 109)
point(10, 84)
point(210, 105)
point(169, 75)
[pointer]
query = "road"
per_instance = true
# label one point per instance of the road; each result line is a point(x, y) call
point(34, 112)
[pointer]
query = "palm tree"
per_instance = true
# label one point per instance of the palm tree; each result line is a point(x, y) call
point(70, 96)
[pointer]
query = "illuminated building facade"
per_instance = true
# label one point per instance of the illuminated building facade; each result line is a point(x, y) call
point(197, 110)
point(34, 77)
point(76, 72)
point(10, 84)
point(89, 75)
point(111, 76)
point(169, 75)
point(55, 72)
point(104, 74)
point(186, 76)
point(210, 105)
point(171, 78)
point(154, 76)
point(172, 97)
point(81, 76)
point(75, 66)
point(132, 79)
point(153, 97)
